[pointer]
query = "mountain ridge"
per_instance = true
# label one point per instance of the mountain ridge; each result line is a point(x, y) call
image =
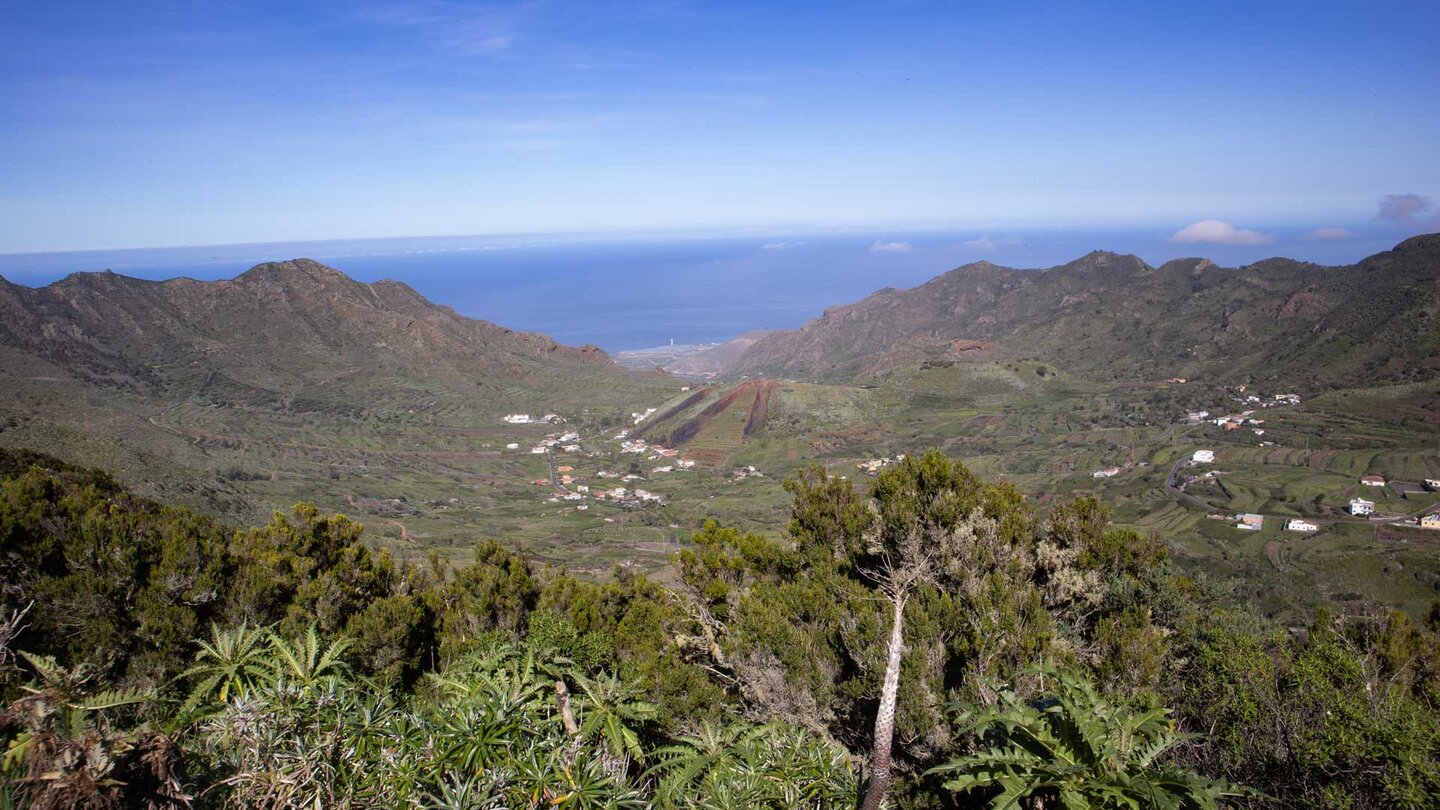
point(1112, 315)
point(277, 325)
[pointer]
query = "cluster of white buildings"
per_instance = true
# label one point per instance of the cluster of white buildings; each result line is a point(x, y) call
point(874, 465)
point(1246, 417)
point(624, 494)
point(637, 417)
point(527, 419)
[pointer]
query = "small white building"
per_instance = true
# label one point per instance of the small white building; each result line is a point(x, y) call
point(539, 451)
point(1372, 480)
point(512, 446)
point(1432, 484)
point(1203, 456)
point(1298, 525)
point(1108, 472)
point(1250, 522)
point(518, 418)
point(1360, 506)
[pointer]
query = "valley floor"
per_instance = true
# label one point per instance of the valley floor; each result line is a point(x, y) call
point(436, 475)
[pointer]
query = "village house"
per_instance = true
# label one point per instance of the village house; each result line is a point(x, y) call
point(539, 450)
point(570, 437)
point(1372, 480)
point(1298, 525)
point(564, 468)
point(1250, 522)
point(666, 468)
point(518, 418)
point(1432, 484)
point(1108, 472)
point(1429, 521)
point(512, 446)
point(684, 464)
point(1203, 457)
point(552, 418)
point(1360, 507)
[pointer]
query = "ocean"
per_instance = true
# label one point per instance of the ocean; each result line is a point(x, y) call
point(638, 291)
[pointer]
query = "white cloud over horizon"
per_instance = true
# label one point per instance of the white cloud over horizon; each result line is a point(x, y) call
point(988, 244)
point(1217, 232)
point(891, 247)
point(1403, 209)
point(780, 245)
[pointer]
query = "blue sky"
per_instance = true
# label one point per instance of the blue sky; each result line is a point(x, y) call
point(155, 123)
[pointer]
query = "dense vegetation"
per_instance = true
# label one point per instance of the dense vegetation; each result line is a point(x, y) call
point(932, 641)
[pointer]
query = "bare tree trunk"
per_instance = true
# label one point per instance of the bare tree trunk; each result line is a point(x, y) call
point(567, 719)
point(885, 717)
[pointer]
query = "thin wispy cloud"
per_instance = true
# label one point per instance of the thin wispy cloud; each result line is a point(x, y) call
point(989, 245)
point(485, 31)
point(1217, 232)
point(1331, 235)
point(891, 247)
point(780, 245)
point(1404, 209)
